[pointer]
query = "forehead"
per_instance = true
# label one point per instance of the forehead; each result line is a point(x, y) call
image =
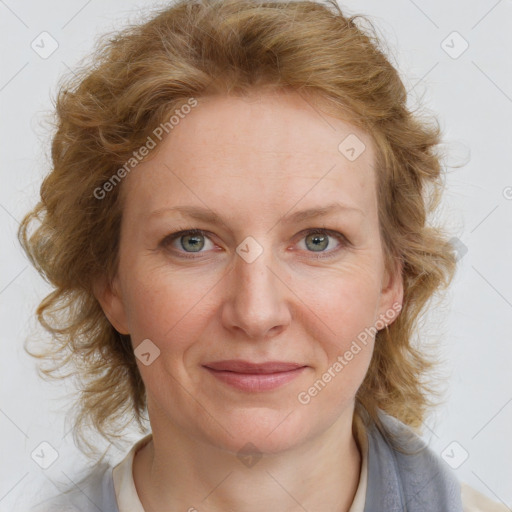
point(255, 149)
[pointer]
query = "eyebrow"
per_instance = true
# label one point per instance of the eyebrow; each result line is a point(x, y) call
point(207, 215)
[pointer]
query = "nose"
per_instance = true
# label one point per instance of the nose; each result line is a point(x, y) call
point(257, 303)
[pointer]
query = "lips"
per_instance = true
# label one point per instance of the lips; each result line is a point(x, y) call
point(240, 366)
point(254, 377)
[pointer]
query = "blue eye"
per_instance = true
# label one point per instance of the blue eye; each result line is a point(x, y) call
point(190, 241)
point(317, 240)
point(194, 242)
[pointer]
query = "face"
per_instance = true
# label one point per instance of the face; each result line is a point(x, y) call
point(287, 266)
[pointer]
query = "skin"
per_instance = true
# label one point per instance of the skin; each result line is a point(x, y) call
point(253, 160)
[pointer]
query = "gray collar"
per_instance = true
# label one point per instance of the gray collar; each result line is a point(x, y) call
point(417, 481)
point(397, 482)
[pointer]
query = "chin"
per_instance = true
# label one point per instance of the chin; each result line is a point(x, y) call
point(261, 430)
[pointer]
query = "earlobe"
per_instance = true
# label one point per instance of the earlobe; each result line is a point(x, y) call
point(110, 299)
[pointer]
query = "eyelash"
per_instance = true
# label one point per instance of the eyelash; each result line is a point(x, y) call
point(344, 242)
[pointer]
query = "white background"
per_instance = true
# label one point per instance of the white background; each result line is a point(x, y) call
point(472, 97)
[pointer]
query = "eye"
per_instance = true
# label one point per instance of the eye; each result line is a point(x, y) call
point(188, 241)
point(314, 240)
point(319, 240)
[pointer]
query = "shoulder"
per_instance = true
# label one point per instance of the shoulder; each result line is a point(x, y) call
point(95, 491)
point(474, 501)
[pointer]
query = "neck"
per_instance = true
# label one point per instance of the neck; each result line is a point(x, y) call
point(176, 471)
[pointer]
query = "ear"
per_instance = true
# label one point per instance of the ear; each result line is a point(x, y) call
point(109, 296)
point(392, 294)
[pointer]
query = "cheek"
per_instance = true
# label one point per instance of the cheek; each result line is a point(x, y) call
point(169, 313)
point(341, 315)
point(345, 299)
point(168, 307)
point(344, 315)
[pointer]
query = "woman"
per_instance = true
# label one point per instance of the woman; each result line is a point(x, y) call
point(236, 229)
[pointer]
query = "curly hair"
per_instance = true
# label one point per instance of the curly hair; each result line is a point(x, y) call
point(108, 109)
